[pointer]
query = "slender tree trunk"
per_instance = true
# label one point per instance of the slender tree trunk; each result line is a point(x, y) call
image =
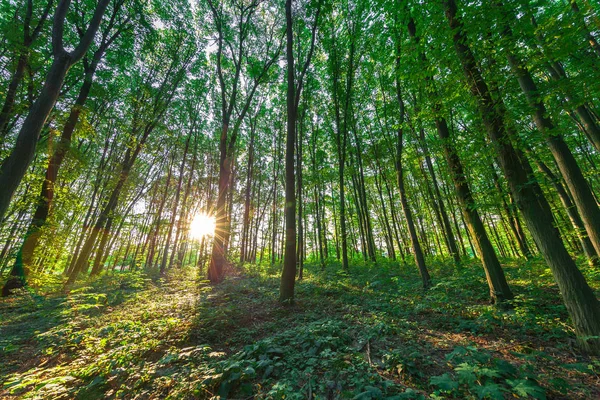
point(45, 199)
point(578, 186)
point(14, 167)
point(274, 222)
point(159, 214)
point(101, 248)
point(576, 221)
point(245, 245)
point(395, 223)
point(513, 221)
point(184, 219)
point(499, 289)
point(164, 264)
point(299, 193)
point(342, 213)
point(416, 246)
point(361, 219)
point(386, 221)
point(450, 239)
point(288, 276)
point(579, 298)
point(317, 201)
point(110, 206)
point(362, 198)
point(336, 230)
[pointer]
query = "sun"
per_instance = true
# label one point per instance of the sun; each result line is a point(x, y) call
point(202, 225)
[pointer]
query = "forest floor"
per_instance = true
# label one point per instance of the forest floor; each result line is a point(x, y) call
point(370, 334)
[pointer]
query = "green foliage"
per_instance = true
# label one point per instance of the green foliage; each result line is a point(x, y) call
point(370, 334)
point(178, 74)
point(485, 376)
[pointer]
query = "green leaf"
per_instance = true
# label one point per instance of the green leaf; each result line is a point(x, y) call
point(490, 391)
point(466, 373)
point(581, 367)
point(444, 382)
point(527, 387)
point(249, 372)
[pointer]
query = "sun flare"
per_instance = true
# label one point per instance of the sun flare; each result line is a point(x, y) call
point(202, 225)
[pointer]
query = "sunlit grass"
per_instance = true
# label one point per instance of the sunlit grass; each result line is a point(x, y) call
point(373, 327)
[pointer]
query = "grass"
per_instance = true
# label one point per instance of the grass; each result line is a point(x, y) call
point(370, 334)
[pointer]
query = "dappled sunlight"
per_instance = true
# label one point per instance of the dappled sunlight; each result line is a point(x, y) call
point(372, 326)
point(300, 199)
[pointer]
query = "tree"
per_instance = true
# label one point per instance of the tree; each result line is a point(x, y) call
point(234, 23)
point(294, 90)
point(114, 28)
point(579, 298)
point(30, 34)
point(156, 93)
point(499, 289)
point(15, 165)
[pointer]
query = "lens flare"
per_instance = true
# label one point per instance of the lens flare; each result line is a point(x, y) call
point(202, 225)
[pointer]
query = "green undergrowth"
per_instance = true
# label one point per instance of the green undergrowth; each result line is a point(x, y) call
point(370, 333)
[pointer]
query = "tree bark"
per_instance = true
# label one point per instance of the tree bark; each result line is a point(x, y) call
point(288, 276)
point(579, 298)
point(417, 251)
point(14, 167)
point(574, 217)
point(29, 36)
point(164, 264)
point(578, 186)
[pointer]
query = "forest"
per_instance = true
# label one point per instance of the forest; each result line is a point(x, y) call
point(300, 199)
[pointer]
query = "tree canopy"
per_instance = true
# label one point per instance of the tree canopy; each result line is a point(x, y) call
point(398, 147)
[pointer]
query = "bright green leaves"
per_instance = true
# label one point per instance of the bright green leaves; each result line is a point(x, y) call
point(476, 371)
point(527, 388)
point(444, 382)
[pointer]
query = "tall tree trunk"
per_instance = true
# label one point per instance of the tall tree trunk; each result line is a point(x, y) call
point(579, 298)
point(164, 264)
point(336, 236)
point(416, 246)
point(274, 221)
point(499, 289)
point(15, 165)
point(126, 166)
point(450, 239)
point(29, 36)
point(184, 219)
point(360, 216)
point(513, 221)
point(386, 221)
point(155, 233)
point(362, 197)
point(576, 221)
point(247, 197)
point(101, 248)
point(228, 137)
point(578, 186)
point(288, 275)
point(300, 215)
point(46, 196)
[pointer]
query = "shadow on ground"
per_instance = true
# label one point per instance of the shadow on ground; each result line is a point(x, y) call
point(372, 333)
